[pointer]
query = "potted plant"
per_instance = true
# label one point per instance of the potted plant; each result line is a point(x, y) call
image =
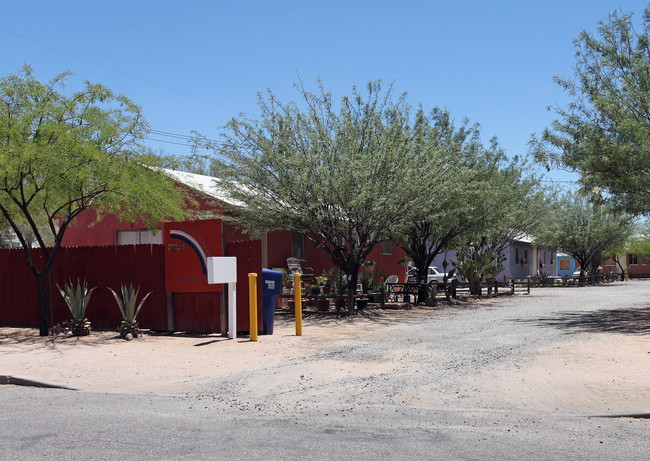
point(314, 290)
point(287, 279)
point(404, 262)
point(368, 265)
point(77, 298)
point(324, 283)
point(127, 305)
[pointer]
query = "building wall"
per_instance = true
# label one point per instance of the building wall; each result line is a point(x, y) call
point(571, 265)
point(85, 230)
point(279, 249)
point(514, 266)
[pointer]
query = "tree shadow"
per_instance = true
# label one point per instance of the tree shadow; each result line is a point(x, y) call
point(626, 321)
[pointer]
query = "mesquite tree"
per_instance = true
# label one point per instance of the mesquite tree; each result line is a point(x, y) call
point(604, 133)
point(341, 173)
point(585, 228)
point(60, 155)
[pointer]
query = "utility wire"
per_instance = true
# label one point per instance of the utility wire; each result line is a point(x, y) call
point(168, 142)
point(175, 137)
point(148, 82)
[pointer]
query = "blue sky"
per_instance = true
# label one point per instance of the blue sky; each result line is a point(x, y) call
point(193, 65)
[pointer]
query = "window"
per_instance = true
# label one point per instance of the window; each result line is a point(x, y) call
point(517, 256)
point(565, 264)
point(298, 245)
point(387, 247)
point(634, 259)
point(139, 236)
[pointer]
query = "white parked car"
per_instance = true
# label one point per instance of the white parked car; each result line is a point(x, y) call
point(435, 274)
point(432, 274)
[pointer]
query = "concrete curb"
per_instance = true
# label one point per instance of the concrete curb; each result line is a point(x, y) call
point(24, 381)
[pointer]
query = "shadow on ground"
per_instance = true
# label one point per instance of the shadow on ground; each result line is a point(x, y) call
point(628, 321)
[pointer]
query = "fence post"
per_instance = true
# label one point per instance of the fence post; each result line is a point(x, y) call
point(512, 286)
point(528, 286)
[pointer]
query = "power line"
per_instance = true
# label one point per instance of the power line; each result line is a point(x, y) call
point(176, 136)
point(168, 142)
point(171, 135)
point(134, 77)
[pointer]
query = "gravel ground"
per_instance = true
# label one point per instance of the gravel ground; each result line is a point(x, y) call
point(527, 376)
point(566, 350)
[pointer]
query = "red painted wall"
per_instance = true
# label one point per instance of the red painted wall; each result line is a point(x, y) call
point(85, 230)
point(279, 249)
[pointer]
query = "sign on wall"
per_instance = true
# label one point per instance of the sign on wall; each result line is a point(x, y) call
point(188, 245)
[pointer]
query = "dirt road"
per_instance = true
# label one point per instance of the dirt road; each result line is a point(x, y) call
point(564, 350)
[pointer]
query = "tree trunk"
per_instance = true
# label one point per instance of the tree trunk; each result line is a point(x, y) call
point(353, 279)
point(43, 328)
point(475, 288)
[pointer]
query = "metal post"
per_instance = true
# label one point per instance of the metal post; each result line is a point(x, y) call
point(232, 310)
point(252, 303)
point(297, 301)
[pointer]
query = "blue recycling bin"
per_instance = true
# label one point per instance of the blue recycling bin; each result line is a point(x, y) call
point(271, 287)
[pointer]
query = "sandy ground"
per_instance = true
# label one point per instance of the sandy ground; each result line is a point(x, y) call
point(586, 373)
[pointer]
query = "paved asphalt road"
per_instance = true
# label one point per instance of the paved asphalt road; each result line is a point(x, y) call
point(370, 419)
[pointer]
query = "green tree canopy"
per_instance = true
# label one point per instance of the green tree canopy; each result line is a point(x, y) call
point(511, 203)
point(343, 174)
point(604, 133)
point(438, 212)
point(585, 228)
point(60, 155)
point(474, 194)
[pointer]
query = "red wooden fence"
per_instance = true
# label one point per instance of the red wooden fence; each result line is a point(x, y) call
point(102, 267)
point(111, 266)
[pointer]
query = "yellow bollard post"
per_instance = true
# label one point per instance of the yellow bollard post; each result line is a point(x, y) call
point(252, 296)
point(297, 302)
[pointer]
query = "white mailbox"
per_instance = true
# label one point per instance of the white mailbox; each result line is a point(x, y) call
point(223, 269)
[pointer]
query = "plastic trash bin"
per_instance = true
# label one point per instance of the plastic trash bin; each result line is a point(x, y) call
point(271, 287)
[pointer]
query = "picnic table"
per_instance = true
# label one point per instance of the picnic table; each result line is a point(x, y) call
point(403, 289)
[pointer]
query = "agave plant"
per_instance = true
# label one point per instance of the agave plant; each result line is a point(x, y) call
point(77, 298)
point(127, 305)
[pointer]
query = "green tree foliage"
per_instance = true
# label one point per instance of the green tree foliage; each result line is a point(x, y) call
point(604, 134)
point(438, 212)
point(639, 243)
point(476, 198)
point(510, 203)
point(478, 262)
point(585, 228)
point(60, 155)
point(343, 174)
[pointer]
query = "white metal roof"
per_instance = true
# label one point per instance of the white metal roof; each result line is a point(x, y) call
point(205, 184)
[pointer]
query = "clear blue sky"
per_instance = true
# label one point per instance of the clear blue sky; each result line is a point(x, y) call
point(192, 65)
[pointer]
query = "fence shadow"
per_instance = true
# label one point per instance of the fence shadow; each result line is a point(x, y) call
point(627, 321)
